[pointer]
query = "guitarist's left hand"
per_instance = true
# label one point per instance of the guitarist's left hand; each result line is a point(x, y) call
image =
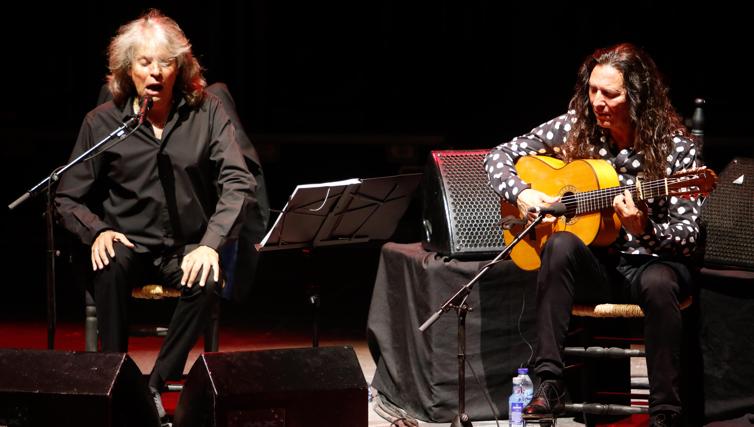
point(633, 218)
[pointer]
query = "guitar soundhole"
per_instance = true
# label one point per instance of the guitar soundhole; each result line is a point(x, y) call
point(569, 200)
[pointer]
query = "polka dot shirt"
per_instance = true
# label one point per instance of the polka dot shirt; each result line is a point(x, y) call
point(672, 229)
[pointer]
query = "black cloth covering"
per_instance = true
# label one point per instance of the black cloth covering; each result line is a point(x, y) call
point(726, 336)
point(419, 371)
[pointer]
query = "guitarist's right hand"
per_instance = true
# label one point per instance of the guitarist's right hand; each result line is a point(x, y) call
point(531, 198)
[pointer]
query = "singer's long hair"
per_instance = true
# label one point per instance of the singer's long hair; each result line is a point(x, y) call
point(153, 24)
point(654, 119)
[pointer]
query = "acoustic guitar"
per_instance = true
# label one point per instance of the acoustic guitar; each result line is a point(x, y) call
point(587, 189)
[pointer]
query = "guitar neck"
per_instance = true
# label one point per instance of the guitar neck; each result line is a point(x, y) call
point(595, 200)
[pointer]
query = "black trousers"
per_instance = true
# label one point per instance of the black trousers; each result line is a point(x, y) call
point(572, 273)
point(112, 291)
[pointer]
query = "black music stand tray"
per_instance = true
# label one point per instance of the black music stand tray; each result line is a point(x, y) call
point(338, 213)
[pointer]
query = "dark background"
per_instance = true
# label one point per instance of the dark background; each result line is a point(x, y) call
point(335, 90)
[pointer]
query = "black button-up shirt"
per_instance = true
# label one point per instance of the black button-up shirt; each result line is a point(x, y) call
point(191, 186)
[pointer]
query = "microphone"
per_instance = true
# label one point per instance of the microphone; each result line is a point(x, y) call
point(555, 209)
point(697, 123)
point(145, 104)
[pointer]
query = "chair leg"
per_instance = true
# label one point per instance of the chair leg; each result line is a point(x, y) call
point(212, 333)
point(90, 327)
point(602, 366)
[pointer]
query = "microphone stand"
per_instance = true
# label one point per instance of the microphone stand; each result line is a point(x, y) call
point(457, 302)
point(48, 184)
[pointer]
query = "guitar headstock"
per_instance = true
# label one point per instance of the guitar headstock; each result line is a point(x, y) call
point(692, 182)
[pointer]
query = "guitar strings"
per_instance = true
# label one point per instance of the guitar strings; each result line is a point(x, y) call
point(602, 198)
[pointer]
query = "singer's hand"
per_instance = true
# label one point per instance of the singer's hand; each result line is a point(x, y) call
point(531, 198)
point(200, 260)
point(634, 219)
point(102, 248)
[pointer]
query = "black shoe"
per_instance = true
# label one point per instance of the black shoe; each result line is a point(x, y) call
point(164, 419)
point(665, 419)
point(548, 401)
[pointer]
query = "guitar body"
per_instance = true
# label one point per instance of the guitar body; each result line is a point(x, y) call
point(556, 178)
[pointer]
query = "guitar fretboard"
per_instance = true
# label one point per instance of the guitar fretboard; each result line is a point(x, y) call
point(595, 200)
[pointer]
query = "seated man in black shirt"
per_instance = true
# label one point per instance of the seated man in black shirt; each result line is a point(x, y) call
point(161, 205)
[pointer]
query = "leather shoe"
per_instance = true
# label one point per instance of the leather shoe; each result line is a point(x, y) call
point(164, 419)
point(665, 419)
point(548, 401)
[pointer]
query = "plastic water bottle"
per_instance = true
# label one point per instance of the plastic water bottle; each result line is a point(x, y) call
point(516, 404)
point(526, 384)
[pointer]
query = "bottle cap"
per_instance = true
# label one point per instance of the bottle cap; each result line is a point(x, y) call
point(523, 371)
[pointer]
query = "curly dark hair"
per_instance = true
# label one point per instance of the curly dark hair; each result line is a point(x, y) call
point(651, 113)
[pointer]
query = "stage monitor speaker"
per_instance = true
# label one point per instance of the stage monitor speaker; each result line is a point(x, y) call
point(306, 387)
point(460, 211)
point(55, 388)
point(728, 213)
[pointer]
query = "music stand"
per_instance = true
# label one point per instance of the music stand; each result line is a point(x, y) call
point(339, 213)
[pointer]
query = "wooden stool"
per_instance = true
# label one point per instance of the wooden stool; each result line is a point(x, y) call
point(151, 292)
point(610, 311)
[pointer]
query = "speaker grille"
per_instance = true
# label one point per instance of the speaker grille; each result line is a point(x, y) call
point(728, 214)
point(473, 208)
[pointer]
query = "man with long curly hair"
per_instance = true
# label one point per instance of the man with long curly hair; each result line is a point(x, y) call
point(620, 113)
